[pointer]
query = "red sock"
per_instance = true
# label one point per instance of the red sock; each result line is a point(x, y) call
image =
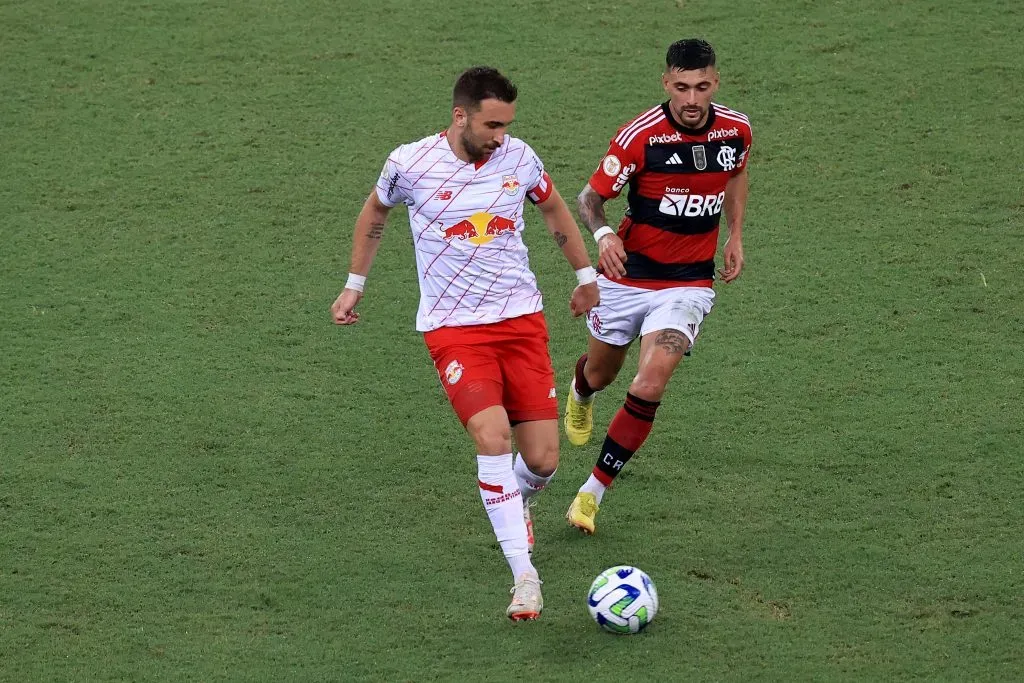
point(582, 387)
point(627, 432)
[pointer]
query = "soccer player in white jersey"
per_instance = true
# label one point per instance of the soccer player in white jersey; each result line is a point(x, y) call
point(480, 309)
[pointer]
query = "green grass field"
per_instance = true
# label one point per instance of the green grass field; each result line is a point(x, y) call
point(202, 479)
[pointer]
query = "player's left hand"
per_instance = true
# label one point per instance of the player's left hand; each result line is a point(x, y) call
point(343, 309)
point(733, 257)
point(584, 297)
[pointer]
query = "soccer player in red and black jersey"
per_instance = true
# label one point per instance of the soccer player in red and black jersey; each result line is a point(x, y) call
point(683, 163)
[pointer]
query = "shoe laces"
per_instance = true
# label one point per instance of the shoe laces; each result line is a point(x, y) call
point(528, 584)
point(578, 417)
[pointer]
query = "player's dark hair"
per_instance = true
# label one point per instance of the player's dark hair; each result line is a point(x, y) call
point(480, 83)
point(689, 54)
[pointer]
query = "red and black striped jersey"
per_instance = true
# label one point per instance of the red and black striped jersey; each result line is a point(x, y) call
point(676, 178)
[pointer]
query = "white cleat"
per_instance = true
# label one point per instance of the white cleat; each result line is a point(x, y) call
point(527, 602)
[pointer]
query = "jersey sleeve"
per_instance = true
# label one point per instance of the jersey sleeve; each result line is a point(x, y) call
point(538, 182)
point(748, 139)
point(392, 188)
point(618, 166)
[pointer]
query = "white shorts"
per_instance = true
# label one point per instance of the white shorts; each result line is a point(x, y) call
point(627, 312)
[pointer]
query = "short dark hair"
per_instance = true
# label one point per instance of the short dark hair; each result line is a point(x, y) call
point(480, 83)
point(689, 54)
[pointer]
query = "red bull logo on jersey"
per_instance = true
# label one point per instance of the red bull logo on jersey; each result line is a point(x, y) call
point(510, 183)
point(480, 228)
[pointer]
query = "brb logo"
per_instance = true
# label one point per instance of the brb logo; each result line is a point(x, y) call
point(480, 228)
point(692, 205)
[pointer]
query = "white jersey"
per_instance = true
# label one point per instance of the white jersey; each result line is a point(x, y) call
point(467, 224)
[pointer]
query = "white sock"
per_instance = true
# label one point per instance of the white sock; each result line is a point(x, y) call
point(504, 505)
point(594, 486)
point(530, 484)
point(581, 399)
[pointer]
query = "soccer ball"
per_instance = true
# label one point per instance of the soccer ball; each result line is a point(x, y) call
point(623, 600)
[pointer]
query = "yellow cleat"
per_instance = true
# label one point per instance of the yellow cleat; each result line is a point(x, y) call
point(582, 512)
point(579, 419)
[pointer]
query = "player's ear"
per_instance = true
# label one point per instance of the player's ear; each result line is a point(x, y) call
point(459, 116)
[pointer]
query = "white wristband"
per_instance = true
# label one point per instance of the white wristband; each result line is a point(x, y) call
point(356, 282)
point(586, 275)
point(602, 231)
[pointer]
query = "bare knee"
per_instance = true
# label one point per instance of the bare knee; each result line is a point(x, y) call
point(492, 436)
point(599, 377)
point(542, 460)
point(648, 388)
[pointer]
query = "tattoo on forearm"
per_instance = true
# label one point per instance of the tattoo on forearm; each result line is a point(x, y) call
point(591, 208)
point(376, 231)
point(672, 341)
point(560, 239)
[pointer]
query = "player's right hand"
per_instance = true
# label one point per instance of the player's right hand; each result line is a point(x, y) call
point(584, 297)
point(342, 310)
point(612, 257)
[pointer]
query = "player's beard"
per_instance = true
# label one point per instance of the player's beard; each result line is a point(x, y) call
point(681, 115)
point(475, 151)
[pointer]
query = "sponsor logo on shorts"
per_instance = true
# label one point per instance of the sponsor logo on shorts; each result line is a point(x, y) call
point(552, 394)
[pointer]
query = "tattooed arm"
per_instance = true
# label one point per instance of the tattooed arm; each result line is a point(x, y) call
point(611, 253)
point(563, 228)
point(369, 230)
point(591, 208)
point(365, 241)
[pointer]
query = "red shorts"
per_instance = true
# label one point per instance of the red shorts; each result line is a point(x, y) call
point(499, 364)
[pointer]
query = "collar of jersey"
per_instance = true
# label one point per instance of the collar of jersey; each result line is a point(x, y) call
point(689, 131)
point(476, 164)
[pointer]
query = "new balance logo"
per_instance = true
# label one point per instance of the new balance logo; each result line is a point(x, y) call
point(674, 160)
point(443, 195)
